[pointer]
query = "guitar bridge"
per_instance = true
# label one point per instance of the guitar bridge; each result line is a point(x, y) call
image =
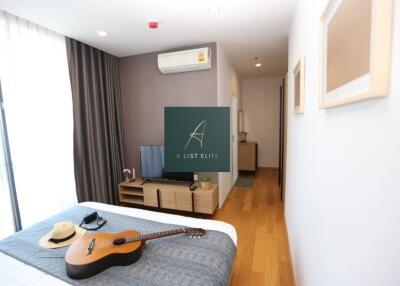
point(90, 247)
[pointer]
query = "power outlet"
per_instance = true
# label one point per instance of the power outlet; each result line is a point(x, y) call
point(196, 177)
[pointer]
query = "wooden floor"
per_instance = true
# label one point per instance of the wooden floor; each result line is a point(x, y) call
point(263, 256)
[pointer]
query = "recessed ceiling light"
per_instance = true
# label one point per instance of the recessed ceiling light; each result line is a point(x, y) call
point(258, 65)
point(214, 9)
point(102, 33)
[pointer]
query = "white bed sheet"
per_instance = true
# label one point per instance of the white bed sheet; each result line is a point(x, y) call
point(15, 272)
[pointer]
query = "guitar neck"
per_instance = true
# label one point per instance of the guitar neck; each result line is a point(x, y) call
point(155, 235)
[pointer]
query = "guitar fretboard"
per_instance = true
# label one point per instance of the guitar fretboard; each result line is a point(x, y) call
point(155, 235)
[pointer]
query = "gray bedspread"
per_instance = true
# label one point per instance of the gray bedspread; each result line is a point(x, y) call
point(174, 260)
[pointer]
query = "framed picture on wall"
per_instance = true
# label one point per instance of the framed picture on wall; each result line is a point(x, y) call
point(355, 51)
point(298, 77)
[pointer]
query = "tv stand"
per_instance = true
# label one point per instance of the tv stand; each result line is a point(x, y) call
point(167, 195)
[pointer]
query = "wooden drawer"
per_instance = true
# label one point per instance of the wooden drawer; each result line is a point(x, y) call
point(150, 197)
point(183, 200)
point(167, 199)
point(206, 201)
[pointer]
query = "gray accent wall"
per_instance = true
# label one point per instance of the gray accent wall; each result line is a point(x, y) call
point(145, 92)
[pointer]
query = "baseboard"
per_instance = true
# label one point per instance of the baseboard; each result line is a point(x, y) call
point(267, 168)
point(290, 250)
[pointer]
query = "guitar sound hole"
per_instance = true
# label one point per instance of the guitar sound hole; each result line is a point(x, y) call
point(119, 241)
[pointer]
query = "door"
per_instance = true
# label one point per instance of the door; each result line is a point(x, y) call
point(285, 123)
point(281, 119)
point(282, 137)
point(234, 135)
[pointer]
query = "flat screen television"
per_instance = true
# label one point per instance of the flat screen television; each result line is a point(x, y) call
point(152, 164)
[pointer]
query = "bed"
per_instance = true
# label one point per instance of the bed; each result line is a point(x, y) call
point(15, 272)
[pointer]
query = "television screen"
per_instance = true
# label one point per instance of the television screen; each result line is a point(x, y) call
point(152, 158)
point(152, 163)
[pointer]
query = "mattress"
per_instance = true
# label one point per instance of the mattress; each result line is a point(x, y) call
point(14, 272)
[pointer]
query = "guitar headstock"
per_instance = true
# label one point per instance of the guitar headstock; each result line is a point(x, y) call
point(194, 232)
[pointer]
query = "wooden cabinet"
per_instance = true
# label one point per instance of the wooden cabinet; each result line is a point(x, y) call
point(247, 156)
point(169, 196)
point(150, 196)
point(167, 199)
point(183, 200)
point(206, 201)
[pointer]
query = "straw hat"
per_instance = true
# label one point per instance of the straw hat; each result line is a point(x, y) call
point(62, 234)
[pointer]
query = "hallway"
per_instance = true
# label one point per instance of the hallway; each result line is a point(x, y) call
point(263, 256)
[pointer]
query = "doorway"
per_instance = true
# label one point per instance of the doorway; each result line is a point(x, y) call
point(234, 139)
point(283, 137)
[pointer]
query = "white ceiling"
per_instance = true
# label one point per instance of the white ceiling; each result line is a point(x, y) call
point(245, 28)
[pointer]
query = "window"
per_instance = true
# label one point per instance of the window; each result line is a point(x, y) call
point(38, 108)
point(6, 212)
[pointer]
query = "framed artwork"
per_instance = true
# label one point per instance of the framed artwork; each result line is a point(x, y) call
point(298, 77)
point(355, 51)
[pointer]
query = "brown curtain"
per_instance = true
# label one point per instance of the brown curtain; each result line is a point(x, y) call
point(98, 143)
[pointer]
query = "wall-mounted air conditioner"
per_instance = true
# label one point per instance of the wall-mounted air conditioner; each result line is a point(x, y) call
point(183, 61)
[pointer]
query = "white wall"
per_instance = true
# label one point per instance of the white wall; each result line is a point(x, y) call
point(227, 86)
point(261, 117)
point(343, 175)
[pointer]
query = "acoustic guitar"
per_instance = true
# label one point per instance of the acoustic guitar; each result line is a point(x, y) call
point(98, 251)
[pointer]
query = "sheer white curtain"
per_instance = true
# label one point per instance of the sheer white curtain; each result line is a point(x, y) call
point(38, 106)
